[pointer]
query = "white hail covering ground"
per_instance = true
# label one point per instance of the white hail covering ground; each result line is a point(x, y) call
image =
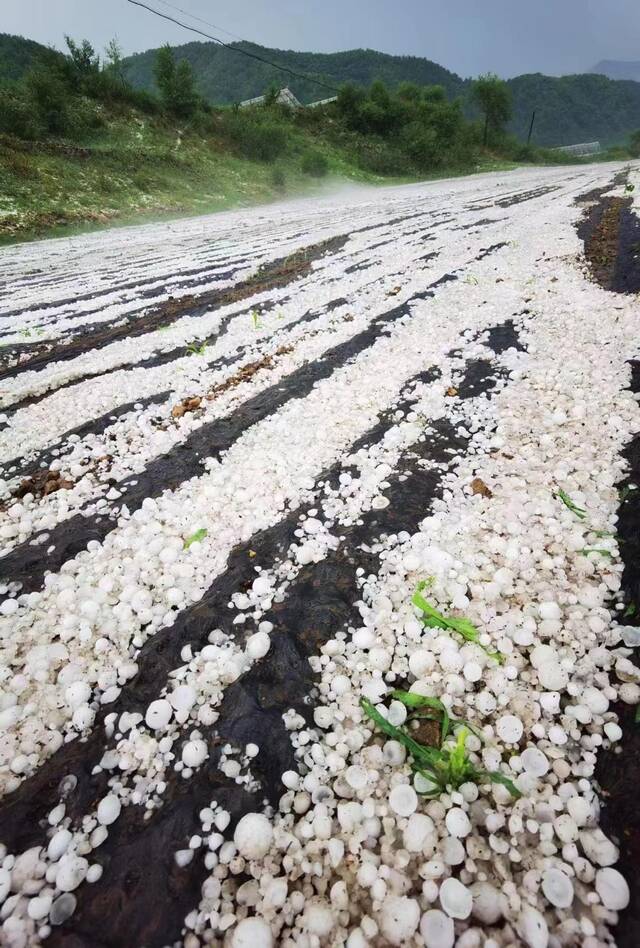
point(352, 856)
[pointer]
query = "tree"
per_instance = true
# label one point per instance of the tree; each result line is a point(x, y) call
point(113, 60)
point(634, 144)
point(493, 97)
point(176, 83)
point(84, 63)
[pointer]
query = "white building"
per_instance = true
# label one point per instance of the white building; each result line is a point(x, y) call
point(285, 97)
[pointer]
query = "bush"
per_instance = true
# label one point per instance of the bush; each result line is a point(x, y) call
point(315, 164)
point(257, 138)
point(17, 115)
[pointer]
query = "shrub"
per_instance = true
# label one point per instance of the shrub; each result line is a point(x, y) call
point(256, 137)
point(17, 115)
point(315, 164)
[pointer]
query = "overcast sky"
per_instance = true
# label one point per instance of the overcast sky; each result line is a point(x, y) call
point(467, 36)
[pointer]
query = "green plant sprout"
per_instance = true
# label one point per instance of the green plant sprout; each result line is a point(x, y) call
point(471, 280)
point(443, 767)
point(580, 512)
point(436, 620)
point(255, 316)
point(194, 349)
point(595, 549)
point(630, 611)
point(603, 534)
point(630, 187)
point(196, 537)
point(164, 328)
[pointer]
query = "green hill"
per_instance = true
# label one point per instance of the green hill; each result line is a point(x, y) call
point(18, 54)
point(224, 76)
point(569, 109)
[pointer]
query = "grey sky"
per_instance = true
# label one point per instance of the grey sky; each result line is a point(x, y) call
point(467, 36)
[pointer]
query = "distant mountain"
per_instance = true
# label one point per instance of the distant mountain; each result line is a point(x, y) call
point(616, 69)
point(224, 76)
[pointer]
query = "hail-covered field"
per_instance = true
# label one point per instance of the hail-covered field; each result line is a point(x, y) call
point(312, 624)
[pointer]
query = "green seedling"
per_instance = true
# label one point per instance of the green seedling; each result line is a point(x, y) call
point(603, 534)
point(196, 537)
point(164, 328)
point(255, 316)
point(443, 767)
point(580, 512)
point(630, 611)
point(26, 333)
point(194, 349)
point(434, 619)
point(629, 188)
point(471, 280)
point(595, 549)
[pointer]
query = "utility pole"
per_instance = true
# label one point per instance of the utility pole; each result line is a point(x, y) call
point(533, 118)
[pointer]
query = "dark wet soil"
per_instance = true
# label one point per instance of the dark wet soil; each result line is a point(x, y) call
point(618, 773)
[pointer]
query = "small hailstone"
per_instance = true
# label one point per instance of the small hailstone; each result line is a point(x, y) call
point(258, 645)
point(534, 762)
point(557, 887)
point(158, 714)
point(552, 676)
point(71, 871)
point(613, 731)
point(194, 753)
point(458, 822)
point(58, 844)
point(356, 777)
point(612, 889)
point(399, 917)
point(419, 830)
point(38, 908)
point(9, 607)
point(77, 693)
point(421, 662)
point(319, 919)
point(403, 800)
point(472, 671)
point(183, 698)
point(487, 902)
point(62, 909)
point(252, 933)
point(549, 610)
point(397, 713)
point(509, 728)
point(108, 810)
point(253, 836)
point(597, 848)
point(455, 899)
point(533, 928)
point(437, 929)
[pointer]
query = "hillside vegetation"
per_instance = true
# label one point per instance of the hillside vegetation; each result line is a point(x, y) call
point(80, 145)
point(569, 109)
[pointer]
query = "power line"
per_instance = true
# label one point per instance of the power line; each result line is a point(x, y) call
point(235, 49)
point(199, 19)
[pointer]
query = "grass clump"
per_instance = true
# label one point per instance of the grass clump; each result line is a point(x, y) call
point(196, 537)
point(195, 348)
point(580, 512)
point(443, 767)
point(434, 619)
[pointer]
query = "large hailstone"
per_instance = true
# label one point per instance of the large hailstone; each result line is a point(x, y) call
point(399, 917)
point(557, 887)
point(252, 933)
point(612, 889)
point(437, 930)
point(253, 836)
point(455, 898)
